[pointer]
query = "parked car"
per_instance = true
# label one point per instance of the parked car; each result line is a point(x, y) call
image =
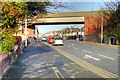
point(81, 39)
point(57, 41)
point(50, 40)
point(31, 40)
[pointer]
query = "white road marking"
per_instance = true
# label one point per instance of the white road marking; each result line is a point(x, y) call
point(106, 57)
point(88, 56)
point(86, 51)
point(101, 72)
point(75, 48)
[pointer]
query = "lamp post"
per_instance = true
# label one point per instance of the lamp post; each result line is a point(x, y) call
point(101, 26)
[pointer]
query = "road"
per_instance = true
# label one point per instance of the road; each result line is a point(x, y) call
point(103, 56)
point(41, 61)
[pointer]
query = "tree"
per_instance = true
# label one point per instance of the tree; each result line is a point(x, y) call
point(113, 20)
point(12, 12)
point(93, 25)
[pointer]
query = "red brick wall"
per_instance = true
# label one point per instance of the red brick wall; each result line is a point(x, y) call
point(30, 32)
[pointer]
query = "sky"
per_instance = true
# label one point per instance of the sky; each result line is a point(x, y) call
point(47, 28)
point(75, 7)
point(79, 6)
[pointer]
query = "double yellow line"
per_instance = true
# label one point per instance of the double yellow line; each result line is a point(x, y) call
point(57, 72)
point(97, 70)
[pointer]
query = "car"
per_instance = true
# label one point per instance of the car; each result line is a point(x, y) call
point(31, 39)
point(81, 39)
point(44, 38)
point(50, 40)
point(58, 41)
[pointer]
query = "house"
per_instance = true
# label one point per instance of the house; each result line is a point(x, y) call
point(30, 32)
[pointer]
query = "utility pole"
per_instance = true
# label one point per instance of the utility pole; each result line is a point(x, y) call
point(93, 9)
point(25, 31)
point(101, 26)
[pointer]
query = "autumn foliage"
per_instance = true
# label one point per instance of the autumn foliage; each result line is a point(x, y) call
point(93, 24)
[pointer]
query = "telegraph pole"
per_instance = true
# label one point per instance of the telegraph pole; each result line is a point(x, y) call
point(101, 26)
point(25, 31)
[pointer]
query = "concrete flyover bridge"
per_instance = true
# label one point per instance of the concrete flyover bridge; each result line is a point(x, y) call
point(62, 18)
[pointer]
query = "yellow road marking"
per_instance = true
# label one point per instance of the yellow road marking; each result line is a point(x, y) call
point(93, 68)
point(97, 70)
point(73, 44)
point(57, 72)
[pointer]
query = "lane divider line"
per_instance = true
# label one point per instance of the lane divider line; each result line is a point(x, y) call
point(106, 57)
point(86, 51)
point(103, 73)
point(89, 56)
point(97, 70)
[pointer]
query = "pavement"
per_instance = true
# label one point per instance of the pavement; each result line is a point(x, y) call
point(41, 61)
point(102, 44)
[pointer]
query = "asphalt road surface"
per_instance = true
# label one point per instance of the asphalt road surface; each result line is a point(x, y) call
point(41, 61)
point(103, 56)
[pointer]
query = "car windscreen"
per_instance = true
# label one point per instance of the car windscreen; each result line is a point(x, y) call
point(58, 38)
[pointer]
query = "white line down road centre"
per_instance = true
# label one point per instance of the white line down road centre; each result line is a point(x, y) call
point(88, 56)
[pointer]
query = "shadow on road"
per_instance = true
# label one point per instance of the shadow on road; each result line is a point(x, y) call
point(30, 62)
